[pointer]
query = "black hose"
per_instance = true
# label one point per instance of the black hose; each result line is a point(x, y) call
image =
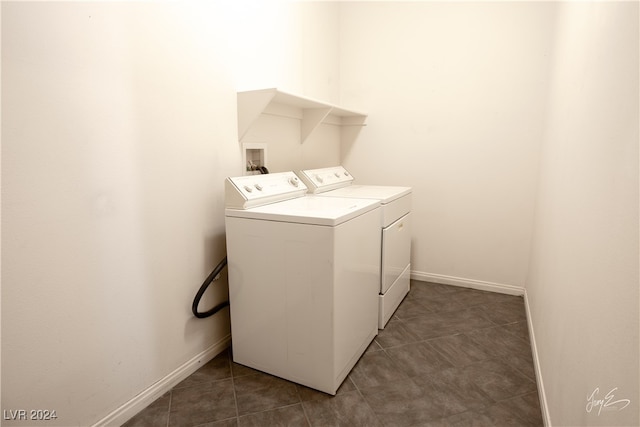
point(211, 278)
point(203, 288)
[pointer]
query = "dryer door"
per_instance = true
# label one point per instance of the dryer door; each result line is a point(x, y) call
point(396, 251)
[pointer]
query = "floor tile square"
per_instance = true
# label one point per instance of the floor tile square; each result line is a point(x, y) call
point(289, 416)
point(218, 368)
point(374, 369)
point(466, 419)
point(395, 333)
point(202, 403)
point(469, 297)
point(498, 342)
point(509, 311)
point(231, 422)
point(460, 349)
point(410, 307)
point(347, 409)
point(498, 380)
point(436, 302)
point(405, 403)
point(452, 385)
point(307, 393)
point(418, 358)
point(518, 329)
point(447, 323)
point(156, 414)
point(261, 392)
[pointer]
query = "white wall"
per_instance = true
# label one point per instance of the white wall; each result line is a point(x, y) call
point(583, 285)
point(118, 129)
point(311, 46)
point(456, 95)
point(287, 45)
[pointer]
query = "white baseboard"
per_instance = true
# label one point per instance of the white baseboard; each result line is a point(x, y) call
point(467, 283)
point(146, 397)
point(536, 365)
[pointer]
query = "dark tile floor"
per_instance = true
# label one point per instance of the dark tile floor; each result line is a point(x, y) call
point(450, 356)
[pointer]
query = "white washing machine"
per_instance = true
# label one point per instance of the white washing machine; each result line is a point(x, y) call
point(303, 278)
point(395, 237)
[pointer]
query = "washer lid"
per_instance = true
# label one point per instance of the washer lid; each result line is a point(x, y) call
point(313, 210)
point(385, 194)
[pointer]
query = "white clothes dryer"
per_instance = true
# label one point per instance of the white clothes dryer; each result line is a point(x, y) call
point(303, 278)
point(395, 237)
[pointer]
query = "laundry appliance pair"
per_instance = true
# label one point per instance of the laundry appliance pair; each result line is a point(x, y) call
point(316, 266)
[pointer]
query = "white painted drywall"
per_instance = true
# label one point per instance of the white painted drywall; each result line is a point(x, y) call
point(305, 44)
point(118, 129)
point(292, 46)
point(583, 284)
point(456, 94)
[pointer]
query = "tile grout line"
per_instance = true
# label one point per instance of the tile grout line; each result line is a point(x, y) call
point(233, 384)
point(367, 402)
point(169, 407)
point(304, 410)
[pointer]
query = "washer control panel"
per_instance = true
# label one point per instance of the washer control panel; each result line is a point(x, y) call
point(249, 191)
point(325, 179)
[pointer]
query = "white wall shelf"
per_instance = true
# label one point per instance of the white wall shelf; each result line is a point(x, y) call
point(251, 104)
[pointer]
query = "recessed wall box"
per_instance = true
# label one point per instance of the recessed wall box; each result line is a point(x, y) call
point(254, 157)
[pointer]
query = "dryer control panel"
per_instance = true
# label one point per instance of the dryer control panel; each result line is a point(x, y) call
point(325, 179)
point(244, 192)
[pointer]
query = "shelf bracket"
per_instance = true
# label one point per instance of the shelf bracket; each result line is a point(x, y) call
point(250, 106)
point(311, 118)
